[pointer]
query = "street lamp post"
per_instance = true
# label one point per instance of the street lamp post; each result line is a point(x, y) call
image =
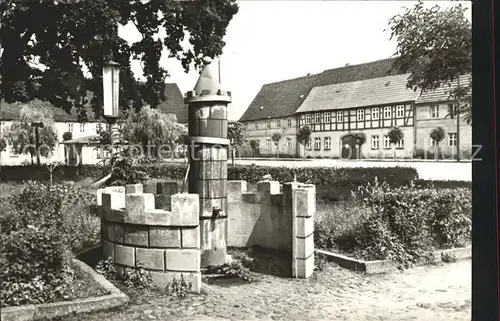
point(111, 91)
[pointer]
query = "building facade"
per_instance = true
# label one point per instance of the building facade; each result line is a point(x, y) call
point(82, 132)
point(345, 103)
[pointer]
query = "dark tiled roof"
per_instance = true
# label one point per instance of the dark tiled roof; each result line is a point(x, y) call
point(13, 112)
point(279, 99)
point(362, 93)
point(174, 103)
point(369, 70)
point(442, 93)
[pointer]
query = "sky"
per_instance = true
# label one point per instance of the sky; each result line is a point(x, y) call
point(270, 41)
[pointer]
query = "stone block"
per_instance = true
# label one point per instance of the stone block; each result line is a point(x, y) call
point(138, 204)
point(125, 255)
point(135, 235)
point(304, 201)
point(157, 218)
point(182, 260)
point(304, 226)
point(208, 205)
point(167, 188)
point(153, 259)
point(185, 210)
point(191, 237)
point(118, 216)
point(115, 232)
point(112, 201)
point(277, 199)
point(134, 189)
point(304, 268)
point(150, 188)
point(164, 237)
point(213, 233)
point(115, 189)
point(108, 250)
point(267, 188)
point(250, 197)
point(223, 170)
point(163, 279)
point(304, 247)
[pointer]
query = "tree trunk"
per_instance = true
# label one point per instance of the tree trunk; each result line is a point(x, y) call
point(458, 121)
point(394, 152)
point(232, 156)
point(50, 177)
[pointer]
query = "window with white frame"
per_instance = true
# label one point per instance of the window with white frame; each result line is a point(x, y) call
point(375, 113)
point(268, 145)
point(340, 116)
point(387, 142)
point(328, 143)
point(327, 118)
point(360, 114)
point(268, 124)
point(308, 118)
point(70, 127)
point(452, 139)
point(434, 143)
point(434, 111)
point(375, 142)
point(317, 143)
point(400, 111)
point(289, 144)
point(401, 143)
point(387, 112)
point(317, 118)
point(82, 128)
point(289, 122)
point(278, 123)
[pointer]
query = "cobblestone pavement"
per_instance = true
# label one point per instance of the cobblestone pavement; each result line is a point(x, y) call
point(434, 293)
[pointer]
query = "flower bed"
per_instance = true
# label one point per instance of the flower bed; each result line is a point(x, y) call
point(39, 227)
point(405, 224)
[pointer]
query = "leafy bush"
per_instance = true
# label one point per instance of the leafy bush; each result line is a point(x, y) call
point(394, 176)
point(178, 288)
point(403, 224)
point(233, 269)
point(137, 279)
point(123, 172)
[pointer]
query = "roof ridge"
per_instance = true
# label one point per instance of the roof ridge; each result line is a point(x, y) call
point(360, 64)
point(291, 79)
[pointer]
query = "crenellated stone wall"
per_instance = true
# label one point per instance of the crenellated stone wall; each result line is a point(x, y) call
point(159, 229)
point(276, 216)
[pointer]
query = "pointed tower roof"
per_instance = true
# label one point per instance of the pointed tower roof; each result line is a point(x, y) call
point(207, 87)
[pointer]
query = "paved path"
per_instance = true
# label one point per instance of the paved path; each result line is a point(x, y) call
point(429, 170)
point(433, 293)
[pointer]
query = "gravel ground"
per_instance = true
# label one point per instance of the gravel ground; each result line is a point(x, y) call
point(433, 293)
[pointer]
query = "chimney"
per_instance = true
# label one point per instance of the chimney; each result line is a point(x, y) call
point(347, 64)
point(308, 74)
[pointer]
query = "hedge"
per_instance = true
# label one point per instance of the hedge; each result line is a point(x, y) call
point(252, 174)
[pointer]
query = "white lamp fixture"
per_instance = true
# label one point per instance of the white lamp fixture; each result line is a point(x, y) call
point(111, 90)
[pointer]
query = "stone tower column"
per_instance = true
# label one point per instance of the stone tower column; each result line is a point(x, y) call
point(207, 128)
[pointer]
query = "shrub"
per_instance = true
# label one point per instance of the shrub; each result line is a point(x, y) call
point(178, 288)
point(403, 224)
point(233, 269)
point(135, 279)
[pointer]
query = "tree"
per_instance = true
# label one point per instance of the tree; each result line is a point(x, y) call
point(152, 129)
point(60, 59)
point(434, 45)
point(304, 135)
point(437, 135)
point(67, 136)
point(21, 135)
point(276, 139)
point(254, 145)
point(395, 136)
point(236, 135)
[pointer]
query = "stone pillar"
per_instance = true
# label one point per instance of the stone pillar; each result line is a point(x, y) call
point(208, 162)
